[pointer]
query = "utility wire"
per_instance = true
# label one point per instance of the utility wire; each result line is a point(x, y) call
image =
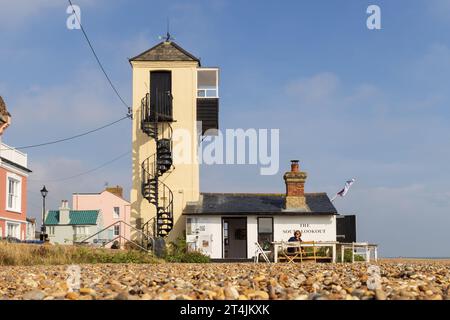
point(98, 60)
point(66, 139)
point(88, 171)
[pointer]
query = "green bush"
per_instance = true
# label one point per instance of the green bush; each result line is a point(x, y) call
point(348, 256)
point(177, 252)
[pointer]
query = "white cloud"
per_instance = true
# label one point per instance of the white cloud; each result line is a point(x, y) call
point(318, 89)
point(84, 102)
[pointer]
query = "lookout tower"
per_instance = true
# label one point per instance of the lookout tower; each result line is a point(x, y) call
point(171, 93)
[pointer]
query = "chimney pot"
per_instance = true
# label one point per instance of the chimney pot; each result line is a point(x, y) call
point(294, 166)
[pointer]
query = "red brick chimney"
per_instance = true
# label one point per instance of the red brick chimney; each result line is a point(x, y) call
point(117, 190)
point(295, 187)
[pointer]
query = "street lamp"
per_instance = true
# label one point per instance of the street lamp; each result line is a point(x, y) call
point(44, 193)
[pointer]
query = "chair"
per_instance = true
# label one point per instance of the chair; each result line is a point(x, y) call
point(290, 257)
point(260, 251)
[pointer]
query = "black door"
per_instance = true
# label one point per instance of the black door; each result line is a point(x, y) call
point(161, 94)
point(234, 238)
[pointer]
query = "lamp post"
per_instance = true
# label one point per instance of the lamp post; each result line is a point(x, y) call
point(44, 193)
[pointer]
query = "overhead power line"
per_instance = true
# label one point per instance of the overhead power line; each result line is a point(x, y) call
point(98, 60)
point(67, 139)
point(86, 172)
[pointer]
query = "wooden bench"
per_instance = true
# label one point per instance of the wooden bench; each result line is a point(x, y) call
point(305, 251)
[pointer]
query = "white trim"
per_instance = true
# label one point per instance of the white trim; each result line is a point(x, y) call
point(51, 231)
point(17, 179)
point(18, 232)
point(114, 230)
point(13, 220)
point(114, 213)
point(205, 90)
point(13, 169)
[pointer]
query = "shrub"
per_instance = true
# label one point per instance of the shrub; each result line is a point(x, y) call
point(177, 252)
point(33, 254)
point(348, 256)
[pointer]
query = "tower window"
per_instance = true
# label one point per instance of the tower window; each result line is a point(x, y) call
point(208, 83)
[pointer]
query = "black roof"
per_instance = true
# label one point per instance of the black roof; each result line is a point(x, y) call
point(166, 51)
point(260, 204)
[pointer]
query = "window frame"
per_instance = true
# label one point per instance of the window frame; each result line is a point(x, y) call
point(114, 230)
point(116, 215)
point(264, 233)
point(16, 232)
point(206, 90)
point(16, 200)
point(78, 228)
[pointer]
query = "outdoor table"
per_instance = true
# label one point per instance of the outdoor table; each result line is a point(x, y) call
point(279, 244)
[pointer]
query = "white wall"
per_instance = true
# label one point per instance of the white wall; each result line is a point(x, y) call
point(207, 227)
point(313, 228)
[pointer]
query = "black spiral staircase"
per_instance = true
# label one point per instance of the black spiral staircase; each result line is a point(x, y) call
point(156, 118)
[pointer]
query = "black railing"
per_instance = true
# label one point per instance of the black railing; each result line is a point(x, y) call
point(159, 194)
point(158, 108)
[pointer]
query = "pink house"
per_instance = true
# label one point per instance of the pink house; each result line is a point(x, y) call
point(113, 208)
point(13, 185)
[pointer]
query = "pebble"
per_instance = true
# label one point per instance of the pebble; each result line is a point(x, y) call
point(231, 293)
point(409, 279)
point(380, 294)
point(72, 296)
point(34, 295)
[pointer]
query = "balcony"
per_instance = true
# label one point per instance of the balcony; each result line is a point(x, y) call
point(12, 155)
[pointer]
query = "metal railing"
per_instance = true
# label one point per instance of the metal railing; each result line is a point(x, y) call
point(120, 236)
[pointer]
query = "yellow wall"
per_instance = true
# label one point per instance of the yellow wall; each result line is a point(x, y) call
point(184, 179)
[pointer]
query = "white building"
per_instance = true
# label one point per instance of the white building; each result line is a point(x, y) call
point(66, 226)
point(226, 226)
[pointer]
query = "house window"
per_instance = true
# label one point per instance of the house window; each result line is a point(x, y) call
point(81, 230)
point(51, 231)
point(226, 238)
point(116, 230)
point(12, 230)
point(116, 213)
point(208, 83)
point(265, 232)
point(13, 196)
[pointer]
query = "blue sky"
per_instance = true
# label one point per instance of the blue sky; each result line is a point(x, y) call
point(349, 102)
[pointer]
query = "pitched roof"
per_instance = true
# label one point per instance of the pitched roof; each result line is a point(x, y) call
point(166, 51)
point(238, 203)
point(76, 217)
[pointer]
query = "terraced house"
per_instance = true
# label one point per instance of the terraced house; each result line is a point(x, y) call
point(66, 226)
point(13, 184)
